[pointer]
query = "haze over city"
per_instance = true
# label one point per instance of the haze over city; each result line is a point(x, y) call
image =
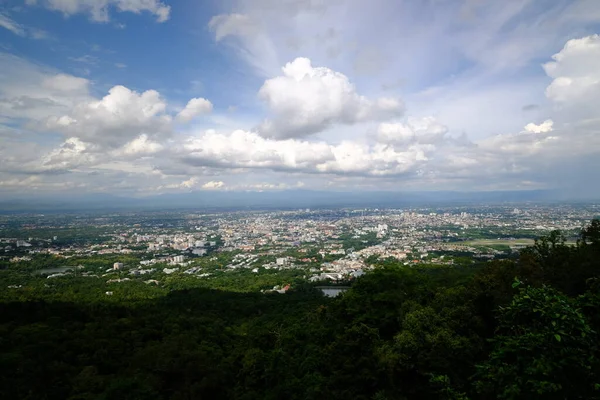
point(141, 98)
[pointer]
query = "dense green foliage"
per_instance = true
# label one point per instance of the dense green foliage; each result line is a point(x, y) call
point(514, 329)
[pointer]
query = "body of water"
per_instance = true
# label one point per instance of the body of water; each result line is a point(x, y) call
point(333, 291)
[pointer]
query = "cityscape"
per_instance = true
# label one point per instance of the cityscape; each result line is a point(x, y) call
point(322, 246)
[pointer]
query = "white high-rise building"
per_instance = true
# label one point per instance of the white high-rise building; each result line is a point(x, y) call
point(282, 261)
point(117, 266)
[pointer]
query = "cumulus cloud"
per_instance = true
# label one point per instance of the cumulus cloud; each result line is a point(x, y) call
point(397, 133)
point(575, 70)
point(125, 140)
point(242, 149)
point(544, 127)
point(249, 150)
point(415, 130)
point(213, 185)
point(377, 160)
point(195, 107)
point(119, 130)
point(71, 154)
point(117, 118)
point(503, 160)
point(141, 145)
point(98, 10)
point(307, 99)
point(525, 143)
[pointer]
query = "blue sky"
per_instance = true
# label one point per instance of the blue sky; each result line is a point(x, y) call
point(140, 97)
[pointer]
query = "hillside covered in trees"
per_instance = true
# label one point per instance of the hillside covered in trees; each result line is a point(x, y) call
point(512, 329)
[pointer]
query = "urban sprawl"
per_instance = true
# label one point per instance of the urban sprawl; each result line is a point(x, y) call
point(321, 246)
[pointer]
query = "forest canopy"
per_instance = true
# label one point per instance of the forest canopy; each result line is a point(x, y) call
point(512, 329)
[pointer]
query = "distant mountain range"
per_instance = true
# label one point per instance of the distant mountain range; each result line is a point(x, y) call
point(288, 199)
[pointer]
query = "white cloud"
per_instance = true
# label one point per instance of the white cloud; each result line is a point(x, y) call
point(513, 145)
point(378, 160)
point(544, 127)
point(416, 130)
point(247, 37)
point(66, 83)
point(576, 71)
point(98, 10)
point(248, 149)
point(232, 25)
point(389, 104)
point(194, 183)
point(34, 93)
point(39, 34)
point(242, 149)
point(14, 27)
point(397, 133)
point(212, 185)
point(71, 154)
point(85, 59)
point(195, 107)
point(189, 183)
point(117, 118)
point(480, 65)
point(65, 120)
point(28, 182)
point(141, 146)
point(128, 141)
point(308, 99)
point(22, 30)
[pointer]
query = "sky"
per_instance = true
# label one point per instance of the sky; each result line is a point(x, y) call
point(146, 97)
